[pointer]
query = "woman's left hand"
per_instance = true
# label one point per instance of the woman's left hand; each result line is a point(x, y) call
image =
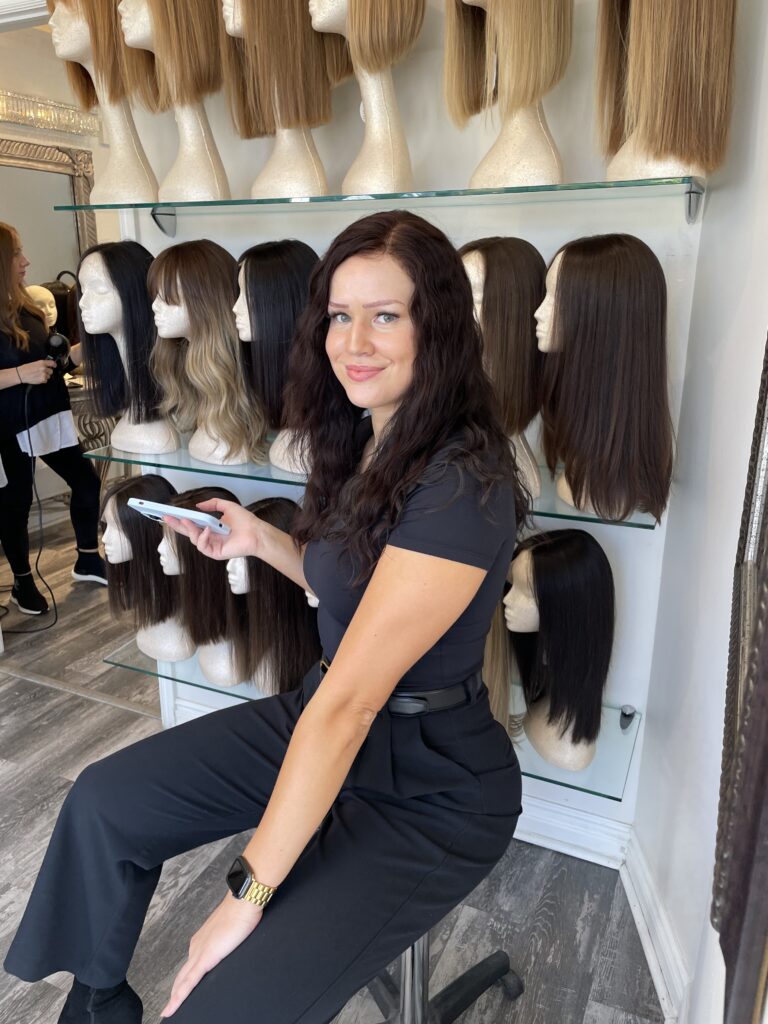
point(229, 925)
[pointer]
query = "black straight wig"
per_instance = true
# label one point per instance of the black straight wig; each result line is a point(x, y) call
point(567, 660)
point(140, 585)
point(276, 277)
point(117, 388)
point(272, 627)
point(203, 581)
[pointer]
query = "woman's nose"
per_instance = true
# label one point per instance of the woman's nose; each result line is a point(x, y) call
point(359, 340)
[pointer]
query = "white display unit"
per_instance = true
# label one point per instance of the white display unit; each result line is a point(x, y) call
point(588, 820)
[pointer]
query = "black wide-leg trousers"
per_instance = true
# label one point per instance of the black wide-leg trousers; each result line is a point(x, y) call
point(428, 808)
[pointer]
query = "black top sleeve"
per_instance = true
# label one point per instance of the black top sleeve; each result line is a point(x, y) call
point(24, 405)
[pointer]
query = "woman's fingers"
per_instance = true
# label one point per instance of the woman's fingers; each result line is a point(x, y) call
point(183, 526)
point(188, 977)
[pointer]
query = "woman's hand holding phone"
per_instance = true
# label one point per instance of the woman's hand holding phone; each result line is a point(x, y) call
point(246, 536)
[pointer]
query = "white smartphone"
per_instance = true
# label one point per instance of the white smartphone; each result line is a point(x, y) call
point(156, 510)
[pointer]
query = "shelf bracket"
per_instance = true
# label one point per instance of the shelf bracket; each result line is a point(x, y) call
point(165, 218)
point(693, 198)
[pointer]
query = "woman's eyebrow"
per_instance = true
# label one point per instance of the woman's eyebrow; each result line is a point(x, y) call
point(368, 305)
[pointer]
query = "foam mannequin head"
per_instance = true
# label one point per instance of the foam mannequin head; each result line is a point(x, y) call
point(237, 575)
point(545, 314)
point(521, 612)
point(240, 308)
point(70, 34)
point(474, 264)
point(171, 319)
point(169, 560)
point(329, 15)
point(233, 18)
point(117, 546)
point(136, 23)
point(46, 301)
point(101, 309)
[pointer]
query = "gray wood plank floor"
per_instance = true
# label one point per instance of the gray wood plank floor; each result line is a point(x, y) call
point(565, 923)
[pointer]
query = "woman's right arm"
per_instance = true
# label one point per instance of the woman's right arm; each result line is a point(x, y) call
point(37, 372)
point(248, 535)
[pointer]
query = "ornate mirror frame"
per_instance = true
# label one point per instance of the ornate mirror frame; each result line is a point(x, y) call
point(77, 163)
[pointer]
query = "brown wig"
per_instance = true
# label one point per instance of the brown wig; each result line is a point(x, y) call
point(513, 52)
point(514, 289)
point(204, 588)
point(188, 41)
point(140, 585)
point(449, 392)
point(567, 660)
point(665, 72)
point(605, 406)
point(204, 381)
point(14, 297)
point(272, 628)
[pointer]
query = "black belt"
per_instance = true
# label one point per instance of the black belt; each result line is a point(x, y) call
point(421, 702)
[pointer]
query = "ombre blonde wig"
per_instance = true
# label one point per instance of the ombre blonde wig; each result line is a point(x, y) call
point(513, 52)
point(204, 378)
point(665, 73)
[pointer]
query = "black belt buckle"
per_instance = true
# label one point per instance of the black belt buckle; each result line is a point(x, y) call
point(401, 705)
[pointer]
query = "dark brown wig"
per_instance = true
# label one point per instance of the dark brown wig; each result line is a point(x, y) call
point(140, 585)
point(567, 661)
point(449, 393)
point(605, 408)
point(203, 581)
point(514, 288)
point(272, 628)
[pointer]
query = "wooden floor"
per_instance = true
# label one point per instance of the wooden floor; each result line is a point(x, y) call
point(565, 923)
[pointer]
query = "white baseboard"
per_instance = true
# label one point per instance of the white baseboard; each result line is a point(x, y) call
point(660, 945)
point(577, 833)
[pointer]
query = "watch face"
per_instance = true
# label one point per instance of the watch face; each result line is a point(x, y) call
point(238, 878)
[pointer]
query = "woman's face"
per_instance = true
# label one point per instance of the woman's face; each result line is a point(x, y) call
point(371, 340)
point(19, 262)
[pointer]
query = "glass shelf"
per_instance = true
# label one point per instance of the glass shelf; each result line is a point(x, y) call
point(549, 506)
point(606, 776)
point(691, 189)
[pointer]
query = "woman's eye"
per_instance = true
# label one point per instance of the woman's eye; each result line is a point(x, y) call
point(339, 318)
point(387, 318)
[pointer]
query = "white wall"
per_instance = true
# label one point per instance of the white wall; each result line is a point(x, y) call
point(677, 802)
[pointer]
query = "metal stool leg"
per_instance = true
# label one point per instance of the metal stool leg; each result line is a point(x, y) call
point(414, 983)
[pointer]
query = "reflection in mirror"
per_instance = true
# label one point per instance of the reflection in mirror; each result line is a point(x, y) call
point(50, 239)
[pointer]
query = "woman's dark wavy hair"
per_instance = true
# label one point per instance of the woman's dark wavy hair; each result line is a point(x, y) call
point(514, 288)
point(115, 388)
point(449, 393)
point(277, 284)
point(272, 628)
point(203, 582)
point(140, 585)
point(567, 661)
point(605, 407)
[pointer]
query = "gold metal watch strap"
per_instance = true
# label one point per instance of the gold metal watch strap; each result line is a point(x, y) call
point(259, 894)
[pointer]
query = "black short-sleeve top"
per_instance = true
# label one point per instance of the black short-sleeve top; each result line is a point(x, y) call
point(443, 516)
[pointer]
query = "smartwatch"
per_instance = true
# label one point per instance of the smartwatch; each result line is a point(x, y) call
point(244, 886)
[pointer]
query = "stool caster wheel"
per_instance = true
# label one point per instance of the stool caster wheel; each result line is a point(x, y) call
point(512, 984)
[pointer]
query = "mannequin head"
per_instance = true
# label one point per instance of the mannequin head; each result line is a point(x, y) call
point(378, 34)
point(46, 303)
point(273, 629)
point(166, 549)
point(545, 313)
point(507, 275)
point(114, 304)
point(273, 283)
point(605, 408)
point(198, 358)
point(521, 613)
point(136, 579)
point(140, 72)
point(204, 588)
point(242, 62)
point(567, 659)
point(510, 52)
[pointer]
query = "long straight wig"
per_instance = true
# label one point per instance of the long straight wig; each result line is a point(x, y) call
point(605, 407)
point(514, 288)
point(277, 285)
point(272, 628)
point(140, 585)
point(665, 71)
point(204, 590)
point(116, 388)
point(567, 661)
point(203, 379)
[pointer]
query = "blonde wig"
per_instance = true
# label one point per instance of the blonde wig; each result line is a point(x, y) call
point(119, 68)
point(187, 36)
point(381, 32)
point(204, 378)
point(497, 667)
point(513, 53)
point(252, 114)
point(665, 73)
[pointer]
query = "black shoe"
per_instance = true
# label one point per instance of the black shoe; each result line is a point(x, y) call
point(27, 597)
point(90, 567)
point(118, 1005)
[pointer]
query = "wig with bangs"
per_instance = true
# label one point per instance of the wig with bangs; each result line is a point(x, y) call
point(203, 379)
point(116, 388)
point(605, 407)
point(513, 52)
point(449, 392)
point(276, 284)
point(514, 288)
point(140, 585)
point(272, 628)
point(665, 73)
